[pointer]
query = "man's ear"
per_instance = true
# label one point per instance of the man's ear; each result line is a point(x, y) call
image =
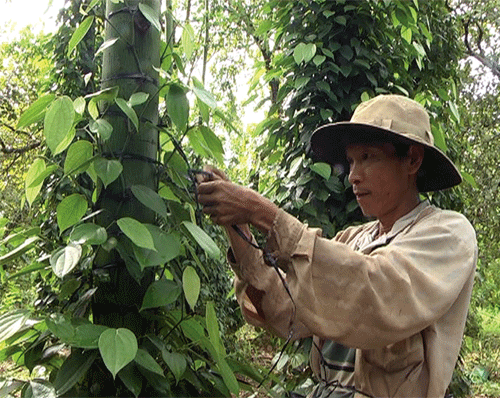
point(415, 158)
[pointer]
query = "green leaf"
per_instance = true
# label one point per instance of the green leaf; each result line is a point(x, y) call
point(151, 15)
point(177, 106)
point(406, 34)
point(341, 20)
point(420, 49)
point(166, 193)
point(87, 336)
point(40, 389)
point(70, 211)
point(347, 52)
point(298, 53)
point(144, 359)
point(326, 113)
point(467, 177)
point(323, 169)
point(131, 378)
point(213, 329)
point(90, 234)
point(27, 270)
point(64, 260)
point(108, 94)
point(220, 353)
point(105, 45)
point(136, 232)
point(150, 199)
point(78, 157)
point(68, 288)
point(79, 105)
point(129, 111)
point(80, 33)
point(12, 322)
point(107, 170)
point(319, 59)
point(192, 329)
point(168, 247)
point(176, 363)
point(93, 110)
point(118, 347)
point(101, 127)
point(228, 376)
point(304, 52)
point(213, 142)
point(264, 27)
point(160, 294)
point(454, 111)
point(37, 167)
point(346, 69)
point(191, 284)
point(58, 124)
point(60, 326)
point(43, 175)
point(201, 237)
point(205, 97)
point(35, 112)
point(188, 40)
point(92, 4)
point(138, 98)
point(439, 138)
point(27, 245)
point(198, 143)
point(73, 369)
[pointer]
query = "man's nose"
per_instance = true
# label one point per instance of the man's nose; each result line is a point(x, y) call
point(355, 174)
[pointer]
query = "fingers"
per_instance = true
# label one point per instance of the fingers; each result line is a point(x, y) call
point(218, 174)
point(223, 201)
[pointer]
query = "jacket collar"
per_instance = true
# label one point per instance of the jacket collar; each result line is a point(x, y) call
point(368, 241)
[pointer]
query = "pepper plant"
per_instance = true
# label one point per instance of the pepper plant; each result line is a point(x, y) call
point(121, 255)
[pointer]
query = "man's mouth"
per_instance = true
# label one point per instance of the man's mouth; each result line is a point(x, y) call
point(361, 194)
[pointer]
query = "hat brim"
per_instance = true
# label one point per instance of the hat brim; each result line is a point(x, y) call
point(329, 142)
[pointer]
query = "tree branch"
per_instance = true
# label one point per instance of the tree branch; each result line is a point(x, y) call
point(479, 55)
point(9, 149)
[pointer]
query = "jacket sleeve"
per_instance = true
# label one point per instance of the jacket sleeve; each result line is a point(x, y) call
point(261, 293)
point(372, 300)
point(360, 300)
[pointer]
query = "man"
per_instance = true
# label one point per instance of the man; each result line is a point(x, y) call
point(386, 301)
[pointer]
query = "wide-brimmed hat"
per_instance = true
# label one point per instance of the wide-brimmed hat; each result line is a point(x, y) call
point(394, 119)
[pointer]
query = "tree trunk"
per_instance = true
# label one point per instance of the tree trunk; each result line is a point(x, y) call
point(129, 64)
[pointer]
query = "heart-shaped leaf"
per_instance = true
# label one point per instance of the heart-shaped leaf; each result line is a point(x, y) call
point(118, 347)
point(160, 294)
point(64, 260)
point(70, 211)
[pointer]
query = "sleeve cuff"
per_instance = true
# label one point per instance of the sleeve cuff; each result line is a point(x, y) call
point(284, 238)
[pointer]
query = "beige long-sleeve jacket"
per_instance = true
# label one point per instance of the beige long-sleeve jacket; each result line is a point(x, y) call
point(401, 300)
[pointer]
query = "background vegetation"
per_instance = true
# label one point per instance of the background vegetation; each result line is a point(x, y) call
point(291, 65)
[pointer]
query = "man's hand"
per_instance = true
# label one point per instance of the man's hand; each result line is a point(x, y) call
point(231, 204)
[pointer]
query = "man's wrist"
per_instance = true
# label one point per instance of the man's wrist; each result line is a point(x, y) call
point(263, 213)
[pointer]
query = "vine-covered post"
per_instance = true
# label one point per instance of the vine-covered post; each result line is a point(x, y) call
point(130, 64)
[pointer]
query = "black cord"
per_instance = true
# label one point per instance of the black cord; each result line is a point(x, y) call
point(269, 259)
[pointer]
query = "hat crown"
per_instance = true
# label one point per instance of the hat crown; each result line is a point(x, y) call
point(398, 114)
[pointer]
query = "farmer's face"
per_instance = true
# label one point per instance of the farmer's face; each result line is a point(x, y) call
point(381, 181)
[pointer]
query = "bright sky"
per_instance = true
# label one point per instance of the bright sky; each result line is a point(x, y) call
point(37, 13)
